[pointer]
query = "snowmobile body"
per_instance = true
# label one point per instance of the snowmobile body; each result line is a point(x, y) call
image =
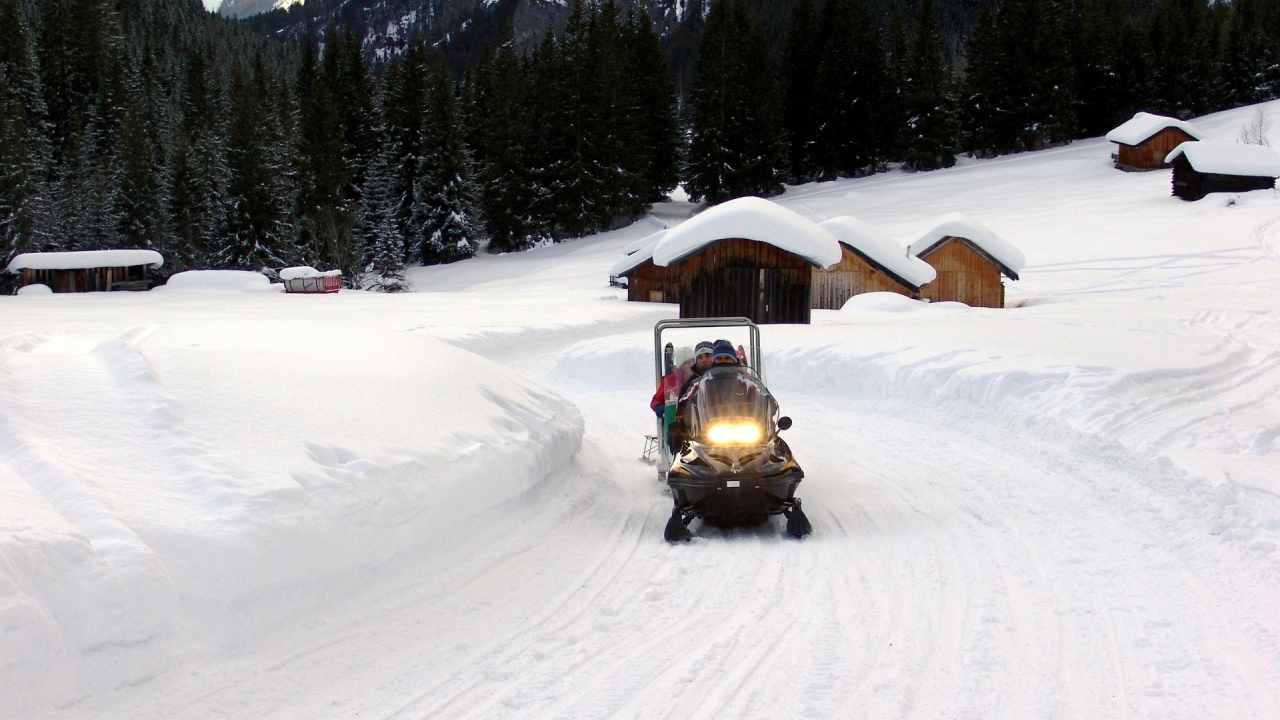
point(727, 465)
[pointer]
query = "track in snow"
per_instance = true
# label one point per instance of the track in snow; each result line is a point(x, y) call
point(960, 567)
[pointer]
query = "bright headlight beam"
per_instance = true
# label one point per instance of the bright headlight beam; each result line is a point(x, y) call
point(734, 434)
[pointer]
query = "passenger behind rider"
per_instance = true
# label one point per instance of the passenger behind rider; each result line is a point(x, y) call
point(679, 377)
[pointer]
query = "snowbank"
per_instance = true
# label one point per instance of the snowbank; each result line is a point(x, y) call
point(218, 281)
point(1143, 125)
point(957, 225)
point(187, 484)
point(1219, 158)
point(882, 302)
point(81, 259)
point(751, 218)
point(35, 289)
point(871, 242)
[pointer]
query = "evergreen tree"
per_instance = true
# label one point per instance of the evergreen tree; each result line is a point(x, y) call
point(25, 215)
point(377, 228)
point(800, 92)
point(502, 133)
point(736, 147)
point(654, 128)
point(853, 86)
point(324, 166)
point(895, 106)
point(138, 201)
point(260, 227)
point(930, 137)
point(445, 224)
point(198, 198)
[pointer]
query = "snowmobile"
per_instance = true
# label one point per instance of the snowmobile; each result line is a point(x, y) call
point(720, 453)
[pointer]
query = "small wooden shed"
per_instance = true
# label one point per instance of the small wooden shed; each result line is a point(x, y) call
point(971, 262)
point(744, 258)
point(870, 262)
point(87, 270)
point(1200, 168)
point(646, 282)
point(1146, 139)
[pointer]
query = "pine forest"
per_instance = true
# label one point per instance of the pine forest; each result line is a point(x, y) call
point(156, 124)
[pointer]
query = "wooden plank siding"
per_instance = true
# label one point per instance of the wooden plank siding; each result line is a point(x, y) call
point(89, 279)
point(1190, 184)
point(743, 278)
point(1151, 153)
point(965, 274)
point(651, 283)
point(854, 275)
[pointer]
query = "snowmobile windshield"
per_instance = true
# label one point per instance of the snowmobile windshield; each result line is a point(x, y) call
point(732, 407)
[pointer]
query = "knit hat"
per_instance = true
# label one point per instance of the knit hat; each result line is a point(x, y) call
point(724, 348)
point(706, 347)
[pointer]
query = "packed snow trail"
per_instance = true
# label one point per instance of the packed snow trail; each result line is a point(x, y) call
point(1066, 508)
point(959, 567)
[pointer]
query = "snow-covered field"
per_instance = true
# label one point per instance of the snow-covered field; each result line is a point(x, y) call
point(257, 505)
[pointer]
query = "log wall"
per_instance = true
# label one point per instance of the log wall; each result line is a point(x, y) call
point(89, 279)
point(964, 275)
point(855, 275)
point(738, 277)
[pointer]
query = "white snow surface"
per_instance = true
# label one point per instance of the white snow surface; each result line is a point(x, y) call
point(876, 245)
point(751, 218)
point(305, 271)
point(82, 259)
point(1143, 125)
point(962, 226)
point(35, 289)
point(218, 281)
point(431, 505)
point(1222, 158)
point(634, 260)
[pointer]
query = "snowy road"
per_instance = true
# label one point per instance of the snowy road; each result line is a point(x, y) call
point(960, 567)
point(1069, 508)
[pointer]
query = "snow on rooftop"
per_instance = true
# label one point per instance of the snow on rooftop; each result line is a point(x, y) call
point(1229, 158)
point(305, 271)
point(871, 242)
point(82, 259)
point(634, 260)
point(218, 281)
point(1142, 126)
point(957, 225)
point(751, 218)
point(647, 241)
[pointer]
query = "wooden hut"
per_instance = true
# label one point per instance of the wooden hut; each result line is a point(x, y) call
point(870, 262)
point(646, 282)
point(1146, 139)
point(87, 270)
point(971, 262)
point(744, 258)
point(1200, 168)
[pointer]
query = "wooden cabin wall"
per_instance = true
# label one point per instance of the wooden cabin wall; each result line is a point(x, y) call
point(1189, 184)
point(651, 283)
point(738, 277)
point(963, 276)
point(852, 276)
point(87, 279)
point(1150, 155)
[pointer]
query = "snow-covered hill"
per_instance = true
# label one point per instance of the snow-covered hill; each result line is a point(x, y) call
point(430, 505)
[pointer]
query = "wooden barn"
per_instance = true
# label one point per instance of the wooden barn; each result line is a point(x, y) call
point(744, 258)
point(87, 270)
point(646, 282)
point(971, 262)
point(1200, 168)
point(1146, 139)
point(870, 262)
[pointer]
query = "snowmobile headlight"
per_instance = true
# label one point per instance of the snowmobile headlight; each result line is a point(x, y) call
point(734, 433)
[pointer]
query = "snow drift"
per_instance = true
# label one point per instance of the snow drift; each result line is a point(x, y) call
point(172, 486)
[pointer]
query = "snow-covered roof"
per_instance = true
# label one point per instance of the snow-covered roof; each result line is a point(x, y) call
point(1139, 128)
point(751, 218)
point(956, 225)
point(880, 249)
point(644, 242)
point(634, 260)
point(1229, 158)
point(304, 271)
point(82, 259)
